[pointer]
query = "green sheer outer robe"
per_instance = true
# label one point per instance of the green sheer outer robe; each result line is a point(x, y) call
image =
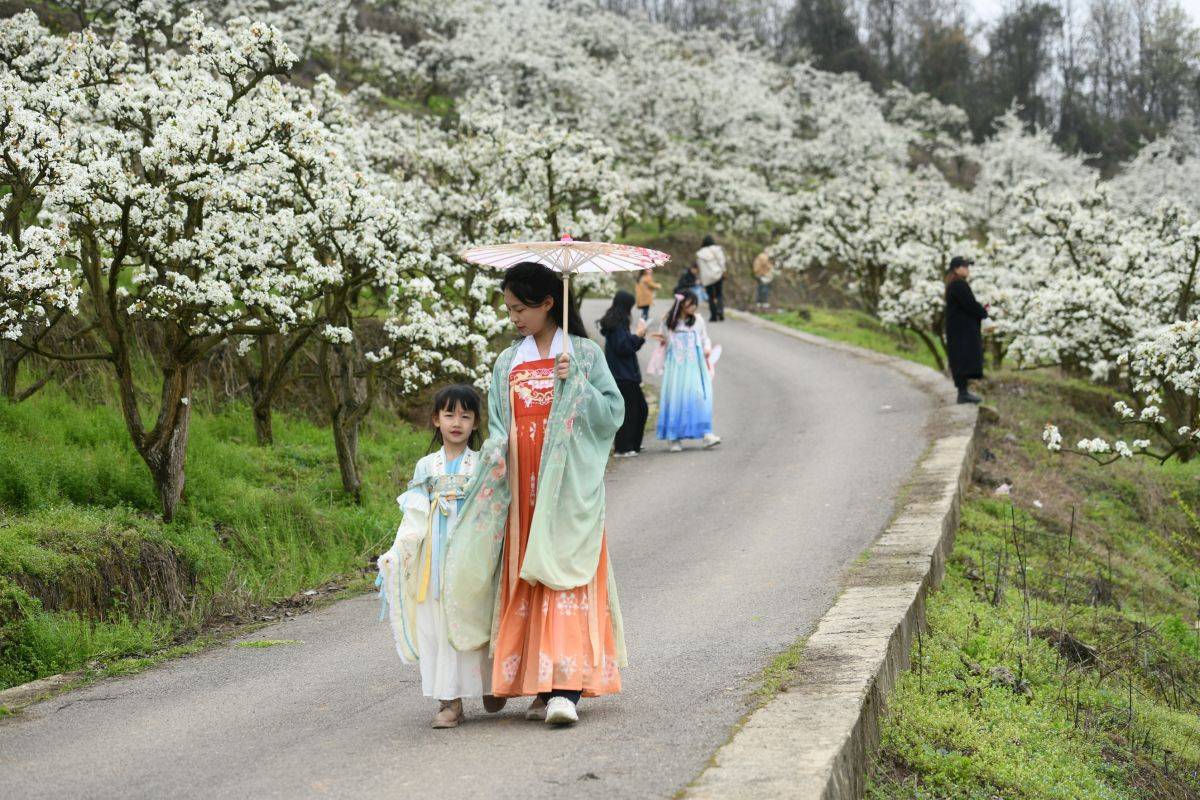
point(563, 550)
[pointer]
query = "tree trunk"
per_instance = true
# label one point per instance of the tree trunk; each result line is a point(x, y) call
point(347, 401)
point(11, 356)
point(345, 442)
point(10, 366)
point(869, 286)
point(166, 463)
point(551, 199)
point(165, 448)
point(264, 433)
point(267, 377)
point(997, 347)
point(259, 379)
point(933, 348)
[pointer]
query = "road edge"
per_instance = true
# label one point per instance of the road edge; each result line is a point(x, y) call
point(17, 699)
point(814, 739)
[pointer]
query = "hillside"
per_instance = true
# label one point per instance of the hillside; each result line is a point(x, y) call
point(89, 574)
point(1062, 653)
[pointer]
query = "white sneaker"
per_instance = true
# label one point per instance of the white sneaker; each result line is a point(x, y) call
point(711, 440)
point(561, 711)
point(676, 446)
point(629, 454)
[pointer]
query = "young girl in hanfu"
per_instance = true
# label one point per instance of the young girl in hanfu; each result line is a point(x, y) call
point(685, 359)
point(528, 571)
point(411, 573)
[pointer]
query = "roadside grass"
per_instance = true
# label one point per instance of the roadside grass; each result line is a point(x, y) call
point(646, 233)
point(856, 328)
point(1045, 674)
point(89, 573)
point(781, 672)
point(1062, 656)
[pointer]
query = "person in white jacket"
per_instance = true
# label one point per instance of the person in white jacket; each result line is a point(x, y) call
point(711, 258)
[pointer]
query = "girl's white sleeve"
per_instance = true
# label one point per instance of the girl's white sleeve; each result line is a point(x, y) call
point(398, 567)
point(414, 504)
point(658, 358)
point(702, 332)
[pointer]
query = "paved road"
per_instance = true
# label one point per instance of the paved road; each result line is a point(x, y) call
point(722, 559)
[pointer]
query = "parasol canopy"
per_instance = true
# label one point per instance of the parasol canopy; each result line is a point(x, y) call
point(568, 257)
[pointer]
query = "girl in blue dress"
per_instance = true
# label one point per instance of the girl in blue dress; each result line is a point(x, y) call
point(683, 359)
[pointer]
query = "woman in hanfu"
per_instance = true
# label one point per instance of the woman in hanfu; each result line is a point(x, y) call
point(527, 572)
point(685, 358)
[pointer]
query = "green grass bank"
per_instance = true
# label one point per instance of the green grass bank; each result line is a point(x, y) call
point(1062, 656)
point(91, 577)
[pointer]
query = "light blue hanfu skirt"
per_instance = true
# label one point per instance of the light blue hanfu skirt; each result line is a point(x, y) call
point(685, 402)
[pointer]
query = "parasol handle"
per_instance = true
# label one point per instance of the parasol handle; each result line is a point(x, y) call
point(566, 309)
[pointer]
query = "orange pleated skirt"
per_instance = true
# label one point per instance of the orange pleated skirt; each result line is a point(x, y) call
point(548, 639)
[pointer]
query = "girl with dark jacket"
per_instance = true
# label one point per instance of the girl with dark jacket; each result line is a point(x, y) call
point(620, 350)
point(964, 341)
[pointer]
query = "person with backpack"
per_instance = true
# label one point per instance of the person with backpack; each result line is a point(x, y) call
point(711, 259)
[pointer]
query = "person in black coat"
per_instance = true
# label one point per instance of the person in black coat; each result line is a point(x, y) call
point(620, 350)
point(964, 341)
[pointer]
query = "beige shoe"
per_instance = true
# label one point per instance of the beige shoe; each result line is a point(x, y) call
point(449, 715)
point(493, 704)
point(536, 711)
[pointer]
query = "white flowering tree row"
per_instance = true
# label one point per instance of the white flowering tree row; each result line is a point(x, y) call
point(1099, 278)
point(882, 191)
point(1112, 293)
point(166, 171)
point(189, 190)
point(161, 172)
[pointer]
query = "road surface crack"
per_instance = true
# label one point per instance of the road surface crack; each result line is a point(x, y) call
point(86, 700)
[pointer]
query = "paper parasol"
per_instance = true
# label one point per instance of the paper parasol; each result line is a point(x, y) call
point(568, 257)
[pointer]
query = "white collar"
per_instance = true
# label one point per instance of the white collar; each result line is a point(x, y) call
point(440, 461)
point(527, 350)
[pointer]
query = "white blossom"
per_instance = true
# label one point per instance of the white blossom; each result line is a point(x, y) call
point(337, 334)
point(1052, 437)
point(1096, 445)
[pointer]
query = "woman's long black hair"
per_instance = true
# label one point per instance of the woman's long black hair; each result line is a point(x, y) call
point(463, 396)
point(618, 314)
point(532, 284)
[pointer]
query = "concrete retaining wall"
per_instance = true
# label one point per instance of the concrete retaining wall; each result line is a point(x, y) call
point(815, 739)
